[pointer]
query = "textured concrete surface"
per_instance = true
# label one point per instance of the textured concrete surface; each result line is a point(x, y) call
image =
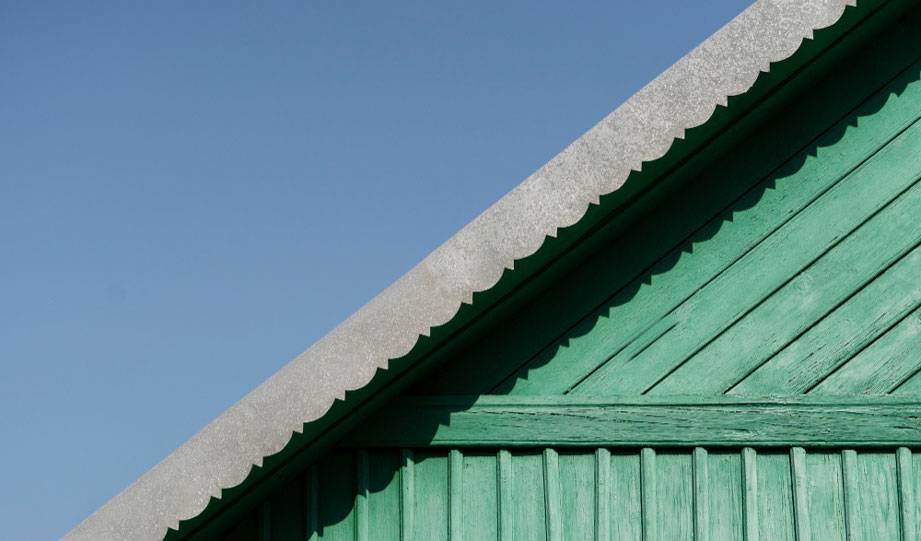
point(556, 196)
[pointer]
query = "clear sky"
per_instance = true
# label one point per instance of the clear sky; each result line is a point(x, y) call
point(191, 193)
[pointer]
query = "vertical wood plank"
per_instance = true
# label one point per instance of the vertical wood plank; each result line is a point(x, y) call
point(528, 513)
point(337, 501)
point(455, 495)
point(407, 495)
point(675, 492)
point(384, 494)
point(915, 482)
point(826, 505)
point(552, 500)
point(506, 497)
point(626, 497)
point(431, 501)
point(701, 479)
point(906, 493)
point(849, 483)
point(800, 497)
point(265, 522)
point(287, 517)
point(362, 481)
point(724, 470)
point(602, 495)
point(648, 500)
point(775, 501)
point(481, 498)
point(866, 495)
point(749, 494)
point(872, 496)
point(312, 500)
point(578, 488)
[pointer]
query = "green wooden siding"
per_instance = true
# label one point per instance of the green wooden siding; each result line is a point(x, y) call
point(600, 494)
point(741, 361)
point(788, 262)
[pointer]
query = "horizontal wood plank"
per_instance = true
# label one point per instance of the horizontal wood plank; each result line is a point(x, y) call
point(526, 421)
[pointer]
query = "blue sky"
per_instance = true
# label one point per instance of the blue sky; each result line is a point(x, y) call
point(193, 192)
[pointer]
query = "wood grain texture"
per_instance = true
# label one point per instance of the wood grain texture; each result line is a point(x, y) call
point(553, 502)
point(337, 486)
point(431, 499)
point(640, 493)
point(750, 501)
point(578, 487)
point(861, 102)
point(506, 495)
point(674, 495)
point(528, 501)
point(455, 495)
point(626, 496)
point(481, 504)
point(649, 500)
point(915, 484)
point(603, 495)
point(701, 483)
point(407, 495)
point(885, 363)
point(774, 490)
point(645, 317)
point(800, 491)
point(362, 483)
point(826, 496)
point(871, 495)
point(904, 475)
point(725, 474)
point(854, 192)
point(765, 300)
point(849, 492)
point(680, 421)
point(851, 334)
point(384, 495)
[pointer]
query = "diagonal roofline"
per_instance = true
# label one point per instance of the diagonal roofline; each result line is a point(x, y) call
point(556, 196)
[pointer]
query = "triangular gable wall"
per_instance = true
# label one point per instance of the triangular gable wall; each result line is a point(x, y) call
point(789, 266)
point(671, 385)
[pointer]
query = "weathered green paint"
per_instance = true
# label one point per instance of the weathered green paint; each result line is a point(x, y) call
point(800, 492)
point(603, 488)
point(738, 359)
point(701, 483)
point(407, 495)
point(649, 500)
point(750, 498)
point(744, 494)
point(760, 221)
point(456, 495)
point(570, 421)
